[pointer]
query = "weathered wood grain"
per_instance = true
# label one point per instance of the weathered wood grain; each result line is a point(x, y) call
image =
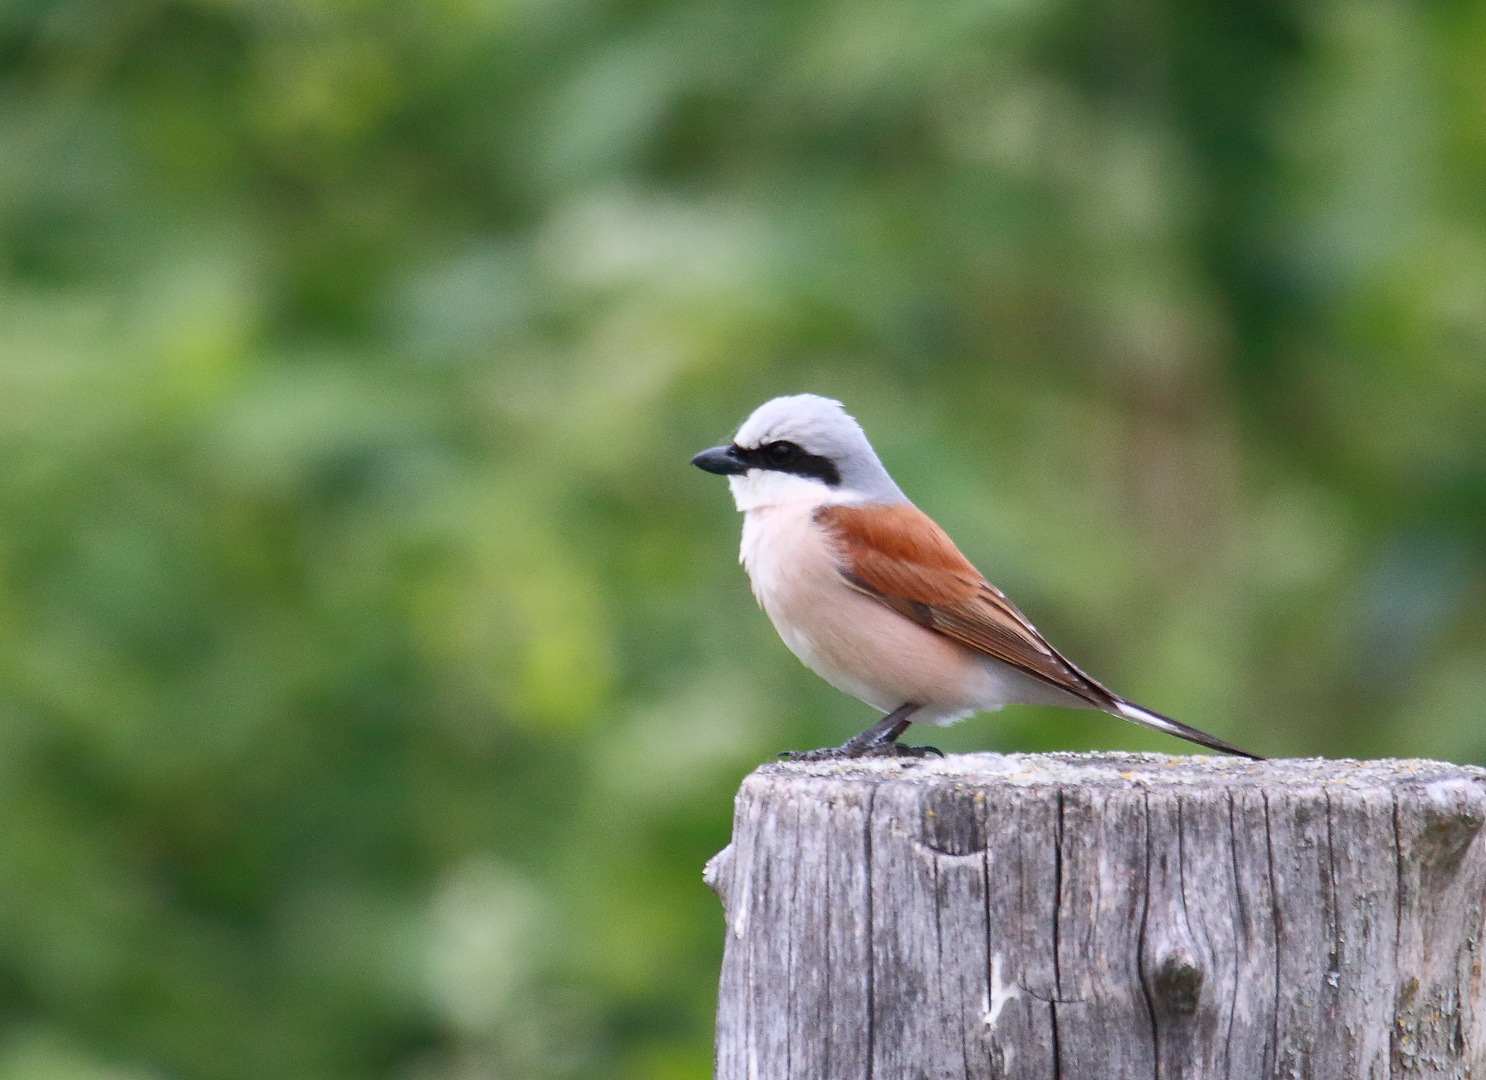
point(1040, 917)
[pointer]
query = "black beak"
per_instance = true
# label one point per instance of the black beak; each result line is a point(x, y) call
point(722, 460)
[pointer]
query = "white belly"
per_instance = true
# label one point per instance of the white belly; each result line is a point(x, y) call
point(855, 643)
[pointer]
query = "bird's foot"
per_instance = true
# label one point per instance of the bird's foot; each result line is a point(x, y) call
point(847, 752)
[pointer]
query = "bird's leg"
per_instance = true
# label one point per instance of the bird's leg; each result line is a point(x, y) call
point(884, 733)
point(879, 740)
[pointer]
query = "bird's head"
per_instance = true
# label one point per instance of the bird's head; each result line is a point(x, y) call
point(798, 448)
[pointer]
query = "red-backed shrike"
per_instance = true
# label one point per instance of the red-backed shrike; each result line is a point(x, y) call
point(874, 597)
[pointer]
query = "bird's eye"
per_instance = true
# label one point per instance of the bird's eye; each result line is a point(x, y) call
point(781, 453)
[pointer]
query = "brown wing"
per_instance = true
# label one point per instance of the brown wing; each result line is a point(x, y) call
point(898, 556)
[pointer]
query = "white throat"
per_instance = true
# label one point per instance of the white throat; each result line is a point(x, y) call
point(760, 488)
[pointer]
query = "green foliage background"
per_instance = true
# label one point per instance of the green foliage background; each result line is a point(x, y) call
point(375, 674)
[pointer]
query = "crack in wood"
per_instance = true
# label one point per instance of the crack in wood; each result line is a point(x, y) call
point(871, 1035)
point(1057, 945)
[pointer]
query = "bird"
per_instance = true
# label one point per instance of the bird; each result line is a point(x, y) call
point(874, 597)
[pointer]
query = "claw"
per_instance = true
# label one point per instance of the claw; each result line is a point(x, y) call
point(899, 750)
point(879, 740)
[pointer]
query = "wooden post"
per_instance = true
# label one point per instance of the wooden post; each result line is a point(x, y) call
point(1104, 917)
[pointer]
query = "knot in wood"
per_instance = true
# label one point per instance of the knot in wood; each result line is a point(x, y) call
point(1178, 983)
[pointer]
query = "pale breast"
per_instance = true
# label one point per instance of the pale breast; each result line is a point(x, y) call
point(853, 642)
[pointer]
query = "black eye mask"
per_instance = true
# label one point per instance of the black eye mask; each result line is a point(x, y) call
point(780, 456)
point(787, 457)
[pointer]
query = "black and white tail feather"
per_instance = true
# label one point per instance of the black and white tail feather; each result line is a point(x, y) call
point(1146, 718)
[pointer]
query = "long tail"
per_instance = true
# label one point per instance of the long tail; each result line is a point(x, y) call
point(1131, 711)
